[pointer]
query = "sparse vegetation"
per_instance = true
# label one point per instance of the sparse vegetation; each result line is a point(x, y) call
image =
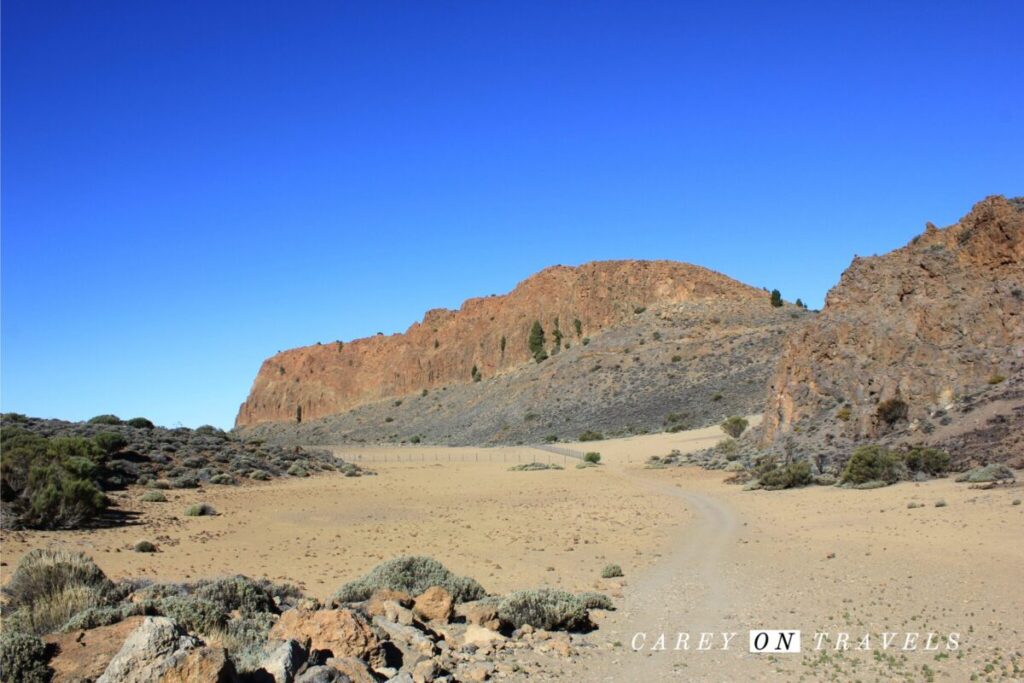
point(873, 463)
point(200, 510)
point(544, 608)
point(591, 435)
point(892, 411)
point(537, 342)
point(734, 426)
point(793, 475)
point(144, 547)
point(412, 575)
point(996, 379)
point(140, 423)
point(534, 467)
point(105, 420)
point(592, 600)
point(23, 658)
point(930, 461)
point(592, 457)
point(153, 497)
point(987, 474)
point(611, 571)
point(49, 586)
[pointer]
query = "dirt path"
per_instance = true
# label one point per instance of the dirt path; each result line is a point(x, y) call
point(691, 590)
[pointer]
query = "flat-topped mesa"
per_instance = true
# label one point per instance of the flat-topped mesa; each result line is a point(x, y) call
point(933, 321)
point(489, 333)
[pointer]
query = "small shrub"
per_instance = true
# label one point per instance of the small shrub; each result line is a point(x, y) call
point(185, 481)
point(940, 503)
point(586, 341)
point(729, 448)
point(931, 461)
point(592, 457)
point(412, 575)
point(892, 411)
point(223, 480)
point(1016, 501)
point(239, 593)
point(913, 505)
point(200, 510)
point(545, 608)
point(297, 470)
point(153, 497)
point(996, 379)
point(49, 586)
point(872, 463)
point(23, 658)
point(144, 547)
point(193, 614)
point(844, 414)
point(611, 571)
point(259, 475)
point(110, 442)
point(140, 423)
point(585, 465)
point(676, 358)
point(593, 600)
point(988, 473)
point(639, 309)
point(734, 426)
point(534, 467)
point(94, 617)
point(794, 475)
point(105, 420)
point(415, 439)
point(590, 435)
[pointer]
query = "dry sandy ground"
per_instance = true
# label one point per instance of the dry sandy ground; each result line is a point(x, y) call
point(699, 555)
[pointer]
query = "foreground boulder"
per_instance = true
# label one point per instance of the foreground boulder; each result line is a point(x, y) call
point(434, 604)
point(159, 650)
point(340, 632)
point(85, 655)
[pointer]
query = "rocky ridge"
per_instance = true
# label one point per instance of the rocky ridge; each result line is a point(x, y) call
point(489, 335)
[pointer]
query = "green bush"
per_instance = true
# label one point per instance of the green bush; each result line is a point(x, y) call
point(931, 461)
point(50, 483)
point(94, 617)
point(223, 479)
point(546, 609)
point(592, 456)
point(23, 658)
point(239, 593)
point(872, 463)
point(793, 475)
point(140, 423)
point(611, 571)
point(534, 467)
point(412, 575)
point(591, 435)
point(537, 342)
point(734, 426)
point(593, 600)
point(105, 420)
point(153, 497)
point(297, 470)
point(110, 442)
point(776, 298)
point(892, 411)
point(144, 547)
point(195, 615)
point(200, 510)
point(49, 586)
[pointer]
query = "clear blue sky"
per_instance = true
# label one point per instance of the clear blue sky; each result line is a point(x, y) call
point(189, 187)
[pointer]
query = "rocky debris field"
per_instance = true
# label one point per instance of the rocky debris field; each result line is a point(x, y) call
point(63, 459)
point(672, 367)
point(416, 622)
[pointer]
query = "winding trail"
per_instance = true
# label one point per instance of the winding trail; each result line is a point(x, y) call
point(691, 589)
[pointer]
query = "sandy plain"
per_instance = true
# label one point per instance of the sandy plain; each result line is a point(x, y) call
point(699, 555)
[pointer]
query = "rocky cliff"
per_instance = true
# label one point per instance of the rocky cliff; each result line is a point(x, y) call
point(629, 337)
point(906, 335)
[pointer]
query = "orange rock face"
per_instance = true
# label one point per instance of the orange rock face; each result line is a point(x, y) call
point(442, 350)
point(927, 323)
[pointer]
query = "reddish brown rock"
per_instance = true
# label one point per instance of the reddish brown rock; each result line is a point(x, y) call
point(352, 667)
point(480, 614)
point(434, 604)
point(442, 349)
point(926, 324)
point(84, 655)
point(375, 606)
point(341, 632)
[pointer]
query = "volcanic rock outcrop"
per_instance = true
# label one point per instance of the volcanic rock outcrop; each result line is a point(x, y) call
point(694, 341)
point(906, 336)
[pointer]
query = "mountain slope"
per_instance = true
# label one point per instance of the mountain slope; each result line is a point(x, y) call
point(654, 339)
